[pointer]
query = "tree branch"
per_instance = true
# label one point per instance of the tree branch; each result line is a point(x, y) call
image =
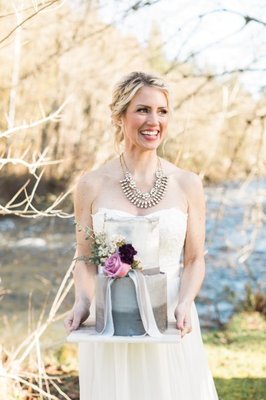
point(27, 19)
point(55, 116)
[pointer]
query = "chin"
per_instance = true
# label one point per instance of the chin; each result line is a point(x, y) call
point(150, 145)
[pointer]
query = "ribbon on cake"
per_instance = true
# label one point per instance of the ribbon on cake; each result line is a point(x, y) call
point(144, 304)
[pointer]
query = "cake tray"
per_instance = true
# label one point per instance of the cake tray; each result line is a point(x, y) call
point(88, 333)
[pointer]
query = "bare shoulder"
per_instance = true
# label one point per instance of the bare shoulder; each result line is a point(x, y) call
point(91, 182)
point(191, 182)
point(188, 181)
point(87, 188)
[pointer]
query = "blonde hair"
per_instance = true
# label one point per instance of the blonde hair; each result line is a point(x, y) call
point(125, 90)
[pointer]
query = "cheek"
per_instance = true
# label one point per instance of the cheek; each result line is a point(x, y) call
point(164, 123)
point(134, 121)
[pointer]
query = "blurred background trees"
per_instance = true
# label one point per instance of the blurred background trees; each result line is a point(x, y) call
point(60, 61)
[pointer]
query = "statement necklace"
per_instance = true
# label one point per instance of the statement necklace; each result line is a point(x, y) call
point(135, 195)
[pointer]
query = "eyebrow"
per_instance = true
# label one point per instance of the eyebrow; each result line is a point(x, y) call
point(143, 105)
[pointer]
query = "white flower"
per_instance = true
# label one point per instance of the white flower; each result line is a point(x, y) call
point(112, 248)
point(103, 251)
point(100, 238)
point(117, 239)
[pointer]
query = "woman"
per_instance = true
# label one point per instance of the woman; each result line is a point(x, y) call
point(140, 108)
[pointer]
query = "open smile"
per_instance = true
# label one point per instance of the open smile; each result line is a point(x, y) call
point(150, 133)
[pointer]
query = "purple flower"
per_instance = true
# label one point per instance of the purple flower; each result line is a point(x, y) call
point(115, 268)
point(127, 252)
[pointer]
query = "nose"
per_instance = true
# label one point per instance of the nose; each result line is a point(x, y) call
point(153, 118)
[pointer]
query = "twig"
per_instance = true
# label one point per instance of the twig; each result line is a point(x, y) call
point(52, 117)
point(27, 19)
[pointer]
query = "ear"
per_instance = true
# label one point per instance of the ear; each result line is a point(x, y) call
point(117, 121)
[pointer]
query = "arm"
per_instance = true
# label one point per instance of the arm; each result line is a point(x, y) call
point(194, 262)
point(84, 272)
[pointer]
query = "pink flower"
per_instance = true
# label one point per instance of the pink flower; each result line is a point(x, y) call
point(114, 267)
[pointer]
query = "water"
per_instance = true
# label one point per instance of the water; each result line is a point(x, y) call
point(35, 255)
point(236, 248)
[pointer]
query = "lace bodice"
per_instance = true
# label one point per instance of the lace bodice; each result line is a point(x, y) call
point(172, 232)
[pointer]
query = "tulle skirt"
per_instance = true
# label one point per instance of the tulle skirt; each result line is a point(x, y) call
point(126, 371)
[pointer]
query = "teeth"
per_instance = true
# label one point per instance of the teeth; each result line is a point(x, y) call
point(149, 133)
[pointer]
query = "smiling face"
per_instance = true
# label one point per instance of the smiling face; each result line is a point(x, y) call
point(146, 118)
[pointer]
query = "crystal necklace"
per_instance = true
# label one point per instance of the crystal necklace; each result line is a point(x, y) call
point(135, 195)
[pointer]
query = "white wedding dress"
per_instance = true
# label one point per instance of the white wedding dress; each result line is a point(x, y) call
point(126, 371)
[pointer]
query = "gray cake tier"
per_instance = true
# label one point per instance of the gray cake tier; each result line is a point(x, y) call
point(125, 311)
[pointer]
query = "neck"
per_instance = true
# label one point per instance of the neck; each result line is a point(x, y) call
point(141, 165)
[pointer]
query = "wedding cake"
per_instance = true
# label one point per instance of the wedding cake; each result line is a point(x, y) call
point(125, 309)
point(135, 304)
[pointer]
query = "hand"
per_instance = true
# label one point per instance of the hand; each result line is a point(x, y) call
point(79, 313)
point(183, 318)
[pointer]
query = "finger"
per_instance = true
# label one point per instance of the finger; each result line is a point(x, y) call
point(68, 320)
point(68, 323)
point(179, 319)
point(183, 332)
point(186, 330)
point(188, 324)
point(180, 322)
point(76, 321)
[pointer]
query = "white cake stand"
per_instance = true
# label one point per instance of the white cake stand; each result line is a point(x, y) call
point(87, 333)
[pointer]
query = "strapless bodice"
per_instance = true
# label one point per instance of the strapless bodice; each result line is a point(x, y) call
point(172, 232)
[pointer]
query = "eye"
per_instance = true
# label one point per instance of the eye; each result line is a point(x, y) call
point(142, 109)
point(163, 111)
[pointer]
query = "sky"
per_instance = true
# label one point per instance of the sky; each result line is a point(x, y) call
point(183, 32)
